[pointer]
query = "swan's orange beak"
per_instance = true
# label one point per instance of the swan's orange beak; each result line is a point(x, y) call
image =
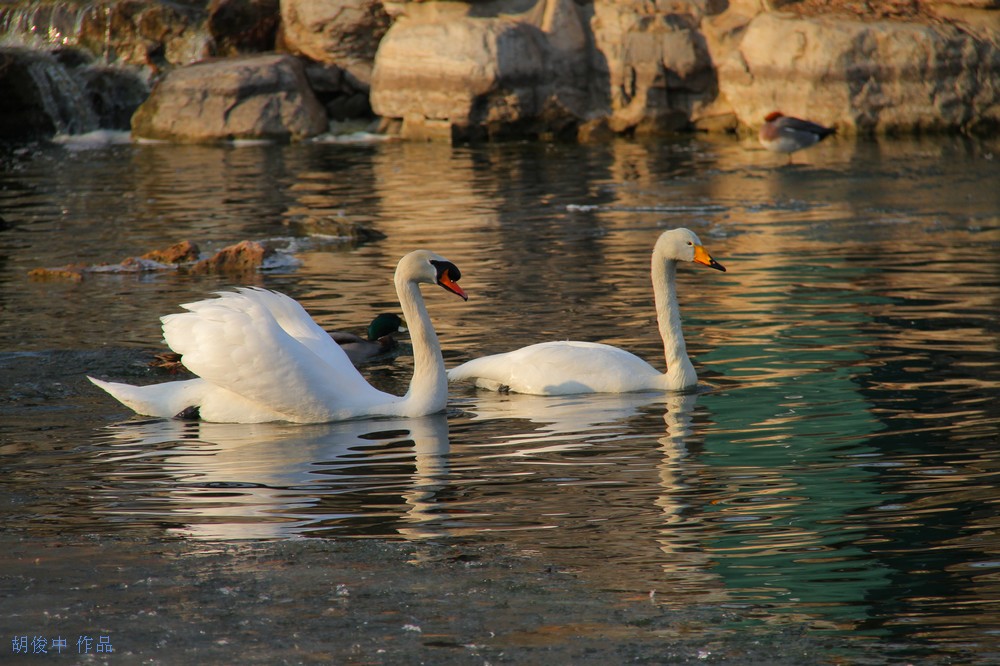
point(452, 286)
point(702, 257)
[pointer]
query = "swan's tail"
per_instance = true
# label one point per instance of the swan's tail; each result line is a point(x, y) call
point(165, 400)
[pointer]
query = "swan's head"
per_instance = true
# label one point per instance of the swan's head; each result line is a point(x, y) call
point(684, 245)
point(425, 266)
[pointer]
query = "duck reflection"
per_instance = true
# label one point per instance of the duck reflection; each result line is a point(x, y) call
point(242, 481)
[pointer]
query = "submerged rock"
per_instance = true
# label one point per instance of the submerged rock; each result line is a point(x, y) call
point(179, 253)
point(245, 256)
point(253, 97)
point(242, 257)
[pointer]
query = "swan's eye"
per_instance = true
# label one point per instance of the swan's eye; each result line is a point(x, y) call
point(690, 243)
point(447, 268)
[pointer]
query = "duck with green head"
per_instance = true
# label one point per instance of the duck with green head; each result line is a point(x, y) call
point(380, 338)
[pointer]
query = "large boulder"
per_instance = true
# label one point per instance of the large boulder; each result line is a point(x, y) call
point(868, 76)
point(344, 33)
point(253, 97)
point(655, 63)
point(486, 75)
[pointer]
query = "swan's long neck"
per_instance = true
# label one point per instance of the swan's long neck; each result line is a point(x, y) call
point(680, 373)
point(428, 391)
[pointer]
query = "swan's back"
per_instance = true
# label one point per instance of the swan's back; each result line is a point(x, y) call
point(264, 348)
point(562, 368)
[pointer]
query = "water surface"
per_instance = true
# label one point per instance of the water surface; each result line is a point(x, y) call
point(837, 467)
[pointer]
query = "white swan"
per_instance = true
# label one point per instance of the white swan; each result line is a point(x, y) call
point(260, 357)
point(360, 350)
point(562, 368)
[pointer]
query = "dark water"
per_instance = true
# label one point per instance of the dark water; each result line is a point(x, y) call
point(838, 469)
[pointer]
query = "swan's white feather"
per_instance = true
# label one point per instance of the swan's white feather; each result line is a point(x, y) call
point(165, 399)
point(265, 348)
point(260, 357)
point(562, 368)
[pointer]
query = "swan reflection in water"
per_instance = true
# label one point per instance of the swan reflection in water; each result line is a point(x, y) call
point(636, 446)
point(387, 476)
point(272, 480)
point(571, 421)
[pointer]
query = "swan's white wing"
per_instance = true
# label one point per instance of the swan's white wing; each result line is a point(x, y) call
point(292, 317)
point(561, 368)
point(265, 348)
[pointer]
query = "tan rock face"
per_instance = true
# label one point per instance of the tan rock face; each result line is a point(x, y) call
point(345, 33)
point(866, 76)
point(585, 68)
point(256, 97)
point(528, 72)
point(452, 70)
point(145, 33)
point(641, 67)
point(657, 64)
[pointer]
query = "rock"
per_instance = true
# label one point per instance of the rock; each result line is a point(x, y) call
point(329, 226)
point(499, 68)
point(243, 26)
point(470, 70)
point(655, 62)
point(245, 256)
point(40, 97)
point(253, 97)
point(114, 94)
point(341, 99)
point(345, 33)
point(484, 76)
point(179, 253)
point(862, 75)
point(155, 35)
point(71, 272)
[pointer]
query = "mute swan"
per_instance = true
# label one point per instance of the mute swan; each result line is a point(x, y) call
point(379, 341)
point(785, 134)
point(360, 350)
point(562, 368)
point(259, 357)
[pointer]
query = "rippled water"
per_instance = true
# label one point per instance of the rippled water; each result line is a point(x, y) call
point(838, 467)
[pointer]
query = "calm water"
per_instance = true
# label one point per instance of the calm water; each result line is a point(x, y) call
point(839, 468)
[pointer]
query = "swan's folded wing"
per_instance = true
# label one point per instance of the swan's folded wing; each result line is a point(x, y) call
point(292, 317)
point(236, 342)
point(558, 368)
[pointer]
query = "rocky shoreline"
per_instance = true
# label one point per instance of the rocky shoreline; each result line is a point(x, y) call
point(581, 70)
